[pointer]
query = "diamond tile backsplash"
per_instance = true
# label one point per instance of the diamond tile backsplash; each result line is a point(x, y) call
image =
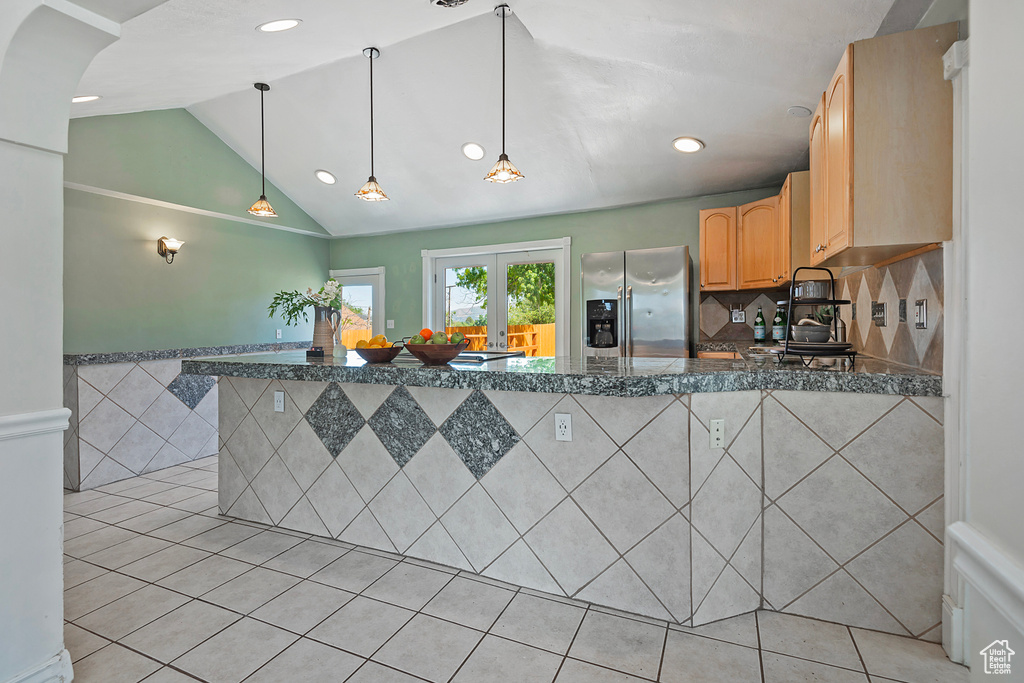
point(912, 279)
point(802, 512)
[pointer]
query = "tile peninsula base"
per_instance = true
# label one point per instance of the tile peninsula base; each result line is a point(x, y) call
point(823, 505)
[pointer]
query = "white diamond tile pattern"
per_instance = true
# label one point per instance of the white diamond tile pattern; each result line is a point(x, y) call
point(124, 423)
point(840, 543)
point(663, 526)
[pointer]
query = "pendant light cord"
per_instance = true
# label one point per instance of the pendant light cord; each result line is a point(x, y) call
point(263, 147)
point(504, 13)
point(371, 113)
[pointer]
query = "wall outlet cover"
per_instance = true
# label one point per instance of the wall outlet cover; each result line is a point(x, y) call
point(563, 427)
point(278, 401)
point(279, 334)
point(921, 314)
point(718, 433)
point(739, 316)
point(391, 324)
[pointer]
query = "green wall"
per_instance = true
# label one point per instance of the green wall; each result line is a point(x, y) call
point(170, 156)
point(635, 227)
point(119, 295)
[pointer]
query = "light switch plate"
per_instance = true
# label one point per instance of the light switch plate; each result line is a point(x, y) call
point(921, 314)
point(878, 313)
point(391, 324)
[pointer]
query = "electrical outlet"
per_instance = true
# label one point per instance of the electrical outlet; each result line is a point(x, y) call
point(391, 324)
point(279, 334)
point(739, 316)
point(278, 401)
point(718, 433)
point(563, 427)
point(878, 313)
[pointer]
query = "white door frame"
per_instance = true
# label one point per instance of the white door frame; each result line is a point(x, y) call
point(563, 275)
point(366, 276)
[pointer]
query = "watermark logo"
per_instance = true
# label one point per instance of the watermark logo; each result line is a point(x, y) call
point(997, 657)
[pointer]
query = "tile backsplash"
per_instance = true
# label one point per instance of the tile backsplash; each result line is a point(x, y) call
point(898, 285)
point(715, 318)
point(910, 280)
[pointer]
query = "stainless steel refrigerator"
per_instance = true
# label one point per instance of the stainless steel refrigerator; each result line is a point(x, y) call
point(637, 303)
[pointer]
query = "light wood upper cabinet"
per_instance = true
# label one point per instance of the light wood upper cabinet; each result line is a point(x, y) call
point(819, 237)
point(757, 245)
point(838, 156)
point(881, 150)
point(718, 249)
point(758, 242)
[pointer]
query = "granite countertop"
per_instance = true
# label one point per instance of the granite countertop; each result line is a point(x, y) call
point(165, 354)
point(597, 376)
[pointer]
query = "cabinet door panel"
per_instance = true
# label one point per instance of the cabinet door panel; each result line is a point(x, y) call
point(839, 156)
point(783, 259)
point(758, 244)
point(819, 236)
point(718, 249)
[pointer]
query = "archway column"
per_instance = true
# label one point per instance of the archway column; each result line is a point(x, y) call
point(45, 46)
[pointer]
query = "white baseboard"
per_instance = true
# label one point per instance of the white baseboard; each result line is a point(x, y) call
point(953, 630)
point(31, 424)
point(988, 569)
point(56, 670)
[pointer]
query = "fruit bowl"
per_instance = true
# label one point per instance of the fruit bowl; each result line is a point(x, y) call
point(436, 354)
point(379, 355)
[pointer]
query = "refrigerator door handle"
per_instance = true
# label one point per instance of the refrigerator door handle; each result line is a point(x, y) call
point(622, 326)
point(629, 321)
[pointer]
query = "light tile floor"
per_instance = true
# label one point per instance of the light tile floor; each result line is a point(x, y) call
point(159, 587)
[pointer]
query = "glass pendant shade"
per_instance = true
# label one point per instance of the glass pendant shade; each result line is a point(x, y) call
point(504, 171)
point(372, 191)
point(262, 207)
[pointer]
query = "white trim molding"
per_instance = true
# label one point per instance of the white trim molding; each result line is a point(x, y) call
point(33, 424)
point(955, 361)
point(367, 276)
point(997, 576)
point(357, 272)
point(114, 194)
point(55, 670)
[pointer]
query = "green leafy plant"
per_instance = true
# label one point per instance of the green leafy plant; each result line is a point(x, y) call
point(824, 314)
point(294, 304)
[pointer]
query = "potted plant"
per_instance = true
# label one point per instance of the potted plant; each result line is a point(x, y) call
point(327, 321)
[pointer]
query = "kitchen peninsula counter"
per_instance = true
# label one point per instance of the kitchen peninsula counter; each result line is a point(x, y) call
point(619, 377)
point(639, 510)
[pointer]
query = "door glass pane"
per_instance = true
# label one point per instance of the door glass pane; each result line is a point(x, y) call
point(465, 304)
point(356, 314)
point(531, 307)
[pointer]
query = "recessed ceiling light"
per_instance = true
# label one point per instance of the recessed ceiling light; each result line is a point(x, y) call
point(325, 177)
point(473, 151)
point(78, 99)
point(278, 25)
point(799, 111)
point(688, 145)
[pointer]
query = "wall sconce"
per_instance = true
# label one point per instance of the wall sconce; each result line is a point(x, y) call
point(168, 247)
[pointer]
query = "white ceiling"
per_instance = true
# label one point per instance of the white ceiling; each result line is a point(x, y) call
point(597, 92)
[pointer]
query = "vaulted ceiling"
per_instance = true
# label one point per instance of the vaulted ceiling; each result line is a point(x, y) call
point(597, 91)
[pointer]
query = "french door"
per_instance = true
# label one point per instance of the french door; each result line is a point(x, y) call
point(501, 301)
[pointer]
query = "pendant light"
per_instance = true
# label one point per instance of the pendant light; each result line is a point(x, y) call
point(371, 191)
point(262, 207)
point(504, 171)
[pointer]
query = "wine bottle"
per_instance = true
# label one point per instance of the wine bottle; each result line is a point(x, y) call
point(759, 326)
point(779, 326)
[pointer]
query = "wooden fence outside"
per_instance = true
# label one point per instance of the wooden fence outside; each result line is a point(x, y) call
point(534, 340)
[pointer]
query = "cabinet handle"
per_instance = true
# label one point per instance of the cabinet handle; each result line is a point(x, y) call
point(703, 284)
point(775, 279)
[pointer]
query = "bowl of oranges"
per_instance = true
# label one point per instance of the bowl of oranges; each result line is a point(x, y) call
point(378, 349)
point(436, 348)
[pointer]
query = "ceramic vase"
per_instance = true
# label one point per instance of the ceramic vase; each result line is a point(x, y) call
point(325, 326)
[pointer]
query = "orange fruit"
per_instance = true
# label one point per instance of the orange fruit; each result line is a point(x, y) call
point(426, 333)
